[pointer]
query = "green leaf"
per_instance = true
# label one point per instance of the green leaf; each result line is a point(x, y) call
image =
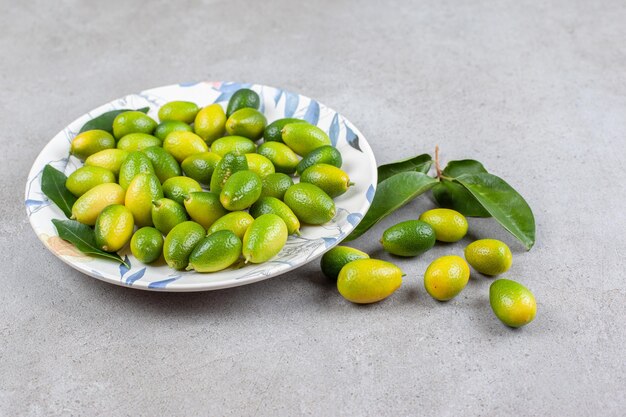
point(464, 166)
point(84, 238)
point(53, 186)
point(503, 203)
point(420, 163)
point(391, 194)
point(105, 120)
point(449, 194)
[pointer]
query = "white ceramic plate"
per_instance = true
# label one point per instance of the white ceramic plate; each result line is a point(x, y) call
point(358, 162)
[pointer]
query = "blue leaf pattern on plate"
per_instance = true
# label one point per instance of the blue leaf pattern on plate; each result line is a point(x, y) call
point(228, 89)
point(291, 103)
point(262, 104)
point(329, 241)
point(136, 276)
point(97, 273)
point(312, 114)
point(34, 203)
point(354, 218)
point(277, 96)
point(370, 193)
point(352, 138)
point(163, 283)
point(231, 87)
point(333, 133)
point(123, 268)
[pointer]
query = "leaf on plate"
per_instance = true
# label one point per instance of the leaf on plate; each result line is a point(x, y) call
point(125, 266)
point(130, 280)
point(262, 101)
point(53, 186)
point(105, 120)
point(391, 194)
point(505, 204)
point(83, 237)
point(333, 132)
point(312, 114)
point(352, 138)
point(277, 95)
point(449, 194)
point(291, 103)
point(419, 163)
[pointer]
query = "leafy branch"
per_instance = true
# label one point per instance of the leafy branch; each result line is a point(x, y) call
point(463, 185)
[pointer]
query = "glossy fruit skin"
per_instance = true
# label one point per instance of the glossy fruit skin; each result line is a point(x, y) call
point(110, 159)
point(238, 145)
point(178, 111)
point(136, 163)
point(449, 225)
point(265, 237)
point(275, 185)
point(183, 144)
point(87, 177)
point(142, 191)
point(204, 208)
point(246, 122)
point(335, 259)
point(164, 164)
point(259, 164)
point(114, 228)
point(365, 281)
point(243, 98)
point(329, 178)
point(132, 122)
point(137, 142)
point(303, 138)
point(273, 131)
point(180, 242)
point(210, 123)
point(177, 188)
point(326, 154)
point(241, 190)
point(409, 238)
point(147, 245)
point(89, 205)
point(282, 157)
point(237, 222)
point(310, 203)
point(169, 126)
point(166, 214)
point(215, 252)
point(273, 205)
point(489, 256)
point(200, 166)
point(90, 142)
point(446, 277)
point(512, 302)
point(227, 166)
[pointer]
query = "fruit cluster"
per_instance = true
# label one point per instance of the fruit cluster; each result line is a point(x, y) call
point(155, 176)
point(364, 280)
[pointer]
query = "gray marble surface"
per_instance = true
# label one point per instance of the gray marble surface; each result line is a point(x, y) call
point(535, 90)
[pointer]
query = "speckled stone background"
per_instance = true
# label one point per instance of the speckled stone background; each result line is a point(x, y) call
point(534, 89)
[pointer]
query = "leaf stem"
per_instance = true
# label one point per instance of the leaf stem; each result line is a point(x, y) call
point(437, 167)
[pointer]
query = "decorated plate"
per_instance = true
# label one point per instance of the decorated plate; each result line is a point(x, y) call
point(358, 162)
